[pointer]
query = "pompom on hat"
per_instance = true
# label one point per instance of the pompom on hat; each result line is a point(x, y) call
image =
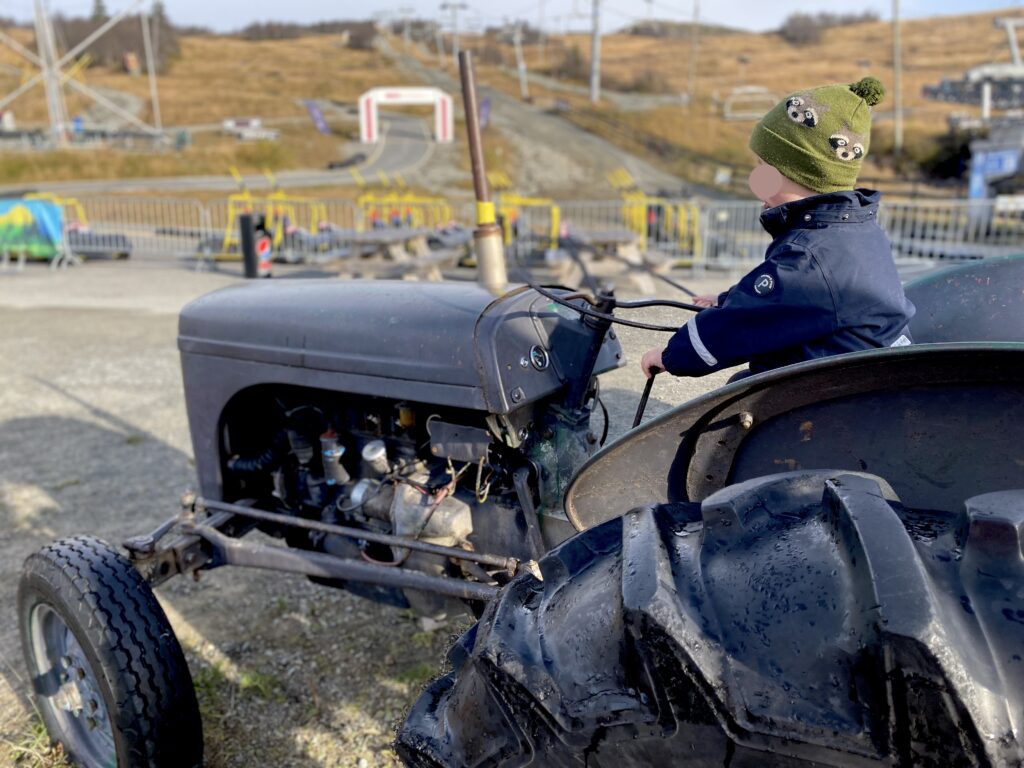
point(818, 137)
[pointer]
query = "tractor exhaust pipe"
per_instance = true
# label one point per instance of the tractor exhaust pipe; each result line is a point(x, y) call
point(492, 272)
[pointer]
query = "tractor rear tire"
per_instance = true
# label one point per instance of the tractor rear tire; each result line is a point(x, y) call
point(789, 621)
point(109, 677)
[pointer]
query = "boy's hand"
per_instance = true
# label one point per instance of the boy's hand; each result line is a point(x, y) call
point(706, 300)
point(651, 363)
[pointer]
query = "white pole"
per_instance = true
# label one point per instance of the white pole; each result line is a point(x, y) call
point(104, 101)
point(897, 81)
point(455, 8)
point(19, 48)
point(540, 31)
point(26, 86)
point(595, 53)
point(147, 44)
point(455, 34)
point(517, 42)
point(694, 47)
point(51, 82)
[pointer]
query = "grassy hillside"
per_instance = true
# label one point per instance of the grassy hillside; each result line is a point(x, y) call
point(933, 48)
point(215, 78)
point(218, 77)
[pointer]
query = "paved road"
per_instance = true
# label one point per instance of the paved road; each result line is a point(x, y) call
point(551, 146)
point(406, 146)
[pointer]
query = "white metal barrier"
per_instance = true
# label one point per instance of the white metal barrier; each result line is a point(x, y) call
point(718, 235)
point(731, 235)
point(300, 229)
point(148, 228)
point(954, 229)
point(733, 238)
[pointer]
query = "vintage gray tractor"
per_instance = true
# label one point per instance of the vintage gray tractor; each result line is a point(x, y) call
point(413, 443)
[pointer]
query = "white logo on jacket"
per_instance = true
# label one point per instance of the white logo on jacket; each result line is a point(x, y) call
point(764, 284)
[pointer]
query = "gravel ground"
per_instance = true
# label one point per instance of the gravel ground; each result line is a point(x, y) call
point(93, 439)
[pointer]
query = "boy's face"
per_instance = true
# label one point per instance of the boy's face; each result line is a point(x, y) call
point(765, 181)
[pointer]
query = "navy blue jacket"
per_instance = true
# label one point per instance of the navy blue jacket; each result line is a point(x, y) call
point(828, 285)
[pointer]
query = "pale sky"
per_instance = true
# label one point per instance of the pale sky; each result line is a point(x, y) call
point(558, 14)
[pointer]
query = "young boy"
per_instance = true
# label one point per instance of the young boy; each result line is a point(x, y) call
point(828, 283)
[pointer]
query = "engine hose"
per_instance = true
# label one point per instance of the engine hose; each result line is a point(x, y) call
point(386, 563)
point(611, 318)
point(267, 461)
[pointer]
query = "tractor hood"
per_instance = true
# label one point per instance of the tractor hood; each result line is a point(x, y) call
point(445, 343)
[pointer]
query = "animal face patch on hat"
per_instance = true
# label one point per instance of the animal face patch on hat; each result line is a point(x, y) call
point(848, 145)
point(803, 109)
point(818, 137)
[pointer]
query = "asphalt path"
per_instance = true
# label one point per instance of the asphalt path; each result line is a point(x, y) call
point(549, 141)
point(405, 147)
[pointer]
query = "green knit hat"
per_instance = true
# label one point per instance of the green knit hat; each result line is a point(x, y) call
point(818, 137)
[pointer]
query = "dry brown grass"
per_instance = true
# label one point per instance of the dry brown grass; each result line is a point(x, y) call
point(215, 78)
point(299, 147)
point(219, 77)
point(933, 49)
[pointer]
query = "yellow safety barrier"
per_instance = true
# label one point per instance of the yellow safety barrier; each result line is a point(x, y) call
point(669, 222)
point(395, 209)
point(283, 210)
point(499, 181)
point(511, 206)
point(622, 180)
point(70, 205)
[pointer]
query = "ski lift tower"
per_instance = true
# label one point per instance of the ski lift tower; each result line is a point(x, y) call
point(56, 71)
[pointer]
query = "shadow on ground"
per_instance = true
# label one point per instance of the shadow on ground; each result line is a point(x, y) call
point(287, 673)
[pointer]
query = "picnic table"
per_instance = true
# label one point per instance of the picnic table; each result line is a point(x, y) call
point(621, 246)
point(396, 253)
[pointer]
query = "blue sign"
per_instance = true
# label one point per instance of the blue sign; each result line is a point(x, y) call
point(32, 227)
point(317, 115)
point(990, 165)
point(485, 112)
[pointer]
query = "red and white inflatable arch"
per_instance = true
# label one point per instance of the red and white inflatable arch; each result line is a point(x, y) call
point(369, 102)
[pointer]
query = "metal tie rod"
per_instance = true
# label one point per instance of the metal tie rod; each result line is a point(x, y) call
point(261, 556)
point(510, 564)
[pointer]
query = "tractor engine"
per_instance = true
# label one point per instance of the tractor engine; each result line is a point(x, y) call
point(430, 411)
point(435, 475)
